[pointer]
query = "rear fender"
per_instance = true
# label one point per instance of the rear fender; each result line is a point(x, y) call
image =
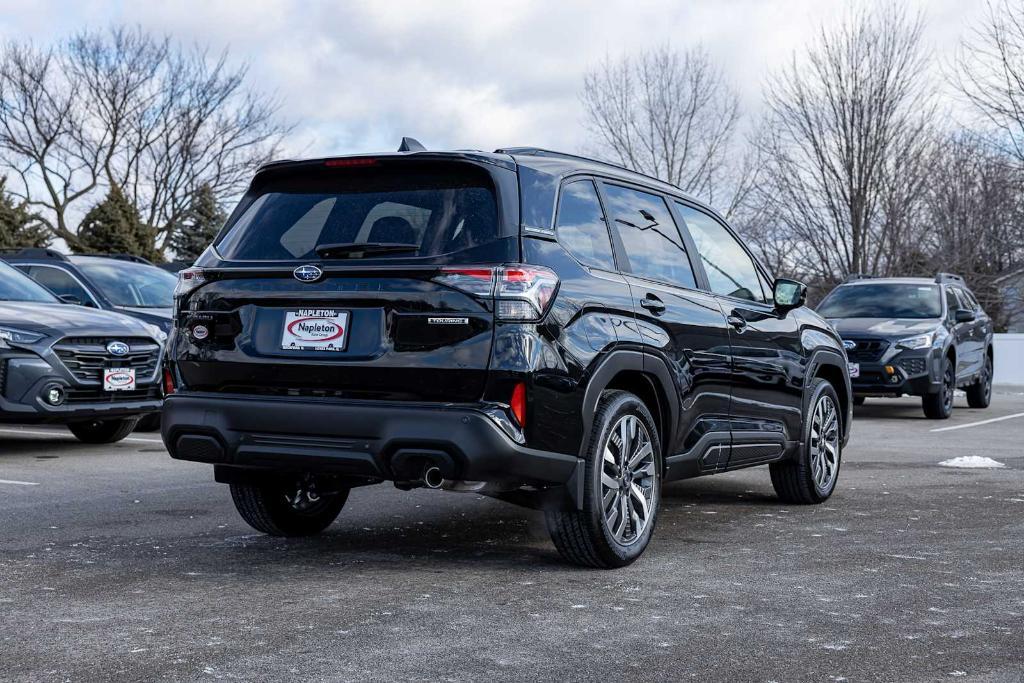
point(652, 367)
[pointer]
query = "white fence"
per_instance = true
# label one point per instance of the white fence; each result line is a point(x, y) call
point(1009, 357)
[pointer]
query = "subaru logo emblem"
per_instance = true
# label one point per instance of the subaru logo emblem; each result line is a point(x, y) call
point(117, 348)
point(307, 273)
point(849, 345)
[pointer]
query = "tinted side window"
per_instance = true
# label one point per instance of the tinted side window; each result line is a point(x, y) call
point(649, 236)
point(767, 286)
point(580, 226)
point(59, 282)
point(730, 270)
point(969, 299)
point(952, 303)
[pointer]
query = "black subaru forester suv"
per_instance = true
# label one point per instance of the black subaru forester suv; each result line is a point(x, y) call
point(541, 328)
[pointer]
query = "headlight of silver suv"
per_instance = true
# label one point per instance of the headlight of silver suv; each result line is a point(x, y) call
point(10, 334)
point(921, 341)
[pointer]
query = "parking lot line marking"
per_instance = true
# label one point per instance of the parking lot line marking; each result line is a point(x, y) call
point(979, 423)
point(40, 432)
point(19, 483)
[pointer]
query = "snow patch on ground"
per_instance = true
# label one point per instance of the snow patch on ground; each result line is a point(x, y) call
point(972, 462)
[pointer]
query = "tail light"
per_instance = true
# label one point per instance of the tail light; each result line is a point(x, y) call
point(188, 279)
point(521, 293)
point(518, 404)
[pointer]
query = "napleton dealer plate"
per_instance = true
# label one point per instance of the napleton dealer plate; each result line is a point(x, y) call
point(315, 329)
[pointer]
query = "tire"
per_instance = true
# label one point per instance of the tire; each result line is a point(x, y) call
point(979, 394)
point(149, 423)
point(811, 478)
point(103, 431)
point(939, 406)
point(859, 400)
point(268, 507)
point(591, 537)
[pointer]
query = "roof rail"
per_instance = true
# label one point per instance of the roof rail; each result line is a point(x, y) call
point(853, 277)
point(948, 277)
point(134, 258)
point(541, 152)
point(35, 252)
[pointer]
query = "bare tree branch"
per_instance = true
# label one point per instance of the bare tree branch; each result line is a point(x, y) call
point(670, 115)
point(122, 108)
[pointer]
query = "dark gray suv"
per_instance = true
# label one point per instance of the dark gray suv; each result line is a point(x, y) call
point(917, 336)
point(96, 371)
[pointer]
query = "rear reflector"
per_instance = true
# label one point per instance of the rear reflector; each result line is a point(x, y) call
point(518, 403)
point(168, 382)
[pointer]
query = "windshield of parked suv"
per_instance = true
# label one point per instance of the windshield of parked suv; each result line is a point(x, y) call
point(398, 212)
point(130, 284)
point(883, 300)
point(16, 286)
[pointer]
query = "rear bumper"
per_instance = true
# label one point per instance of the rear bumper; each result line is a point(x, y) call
point(368, 439)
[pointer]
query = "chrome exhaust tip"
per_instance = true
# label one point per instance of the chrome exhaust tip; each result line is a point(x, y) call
point(432, 478)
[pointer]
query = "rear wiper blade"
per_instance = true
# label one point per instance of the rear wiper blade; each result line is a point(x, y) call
point(358, 249)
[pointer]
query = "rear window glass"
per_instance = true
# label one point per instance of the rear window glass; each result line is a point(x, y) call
point(434, 211)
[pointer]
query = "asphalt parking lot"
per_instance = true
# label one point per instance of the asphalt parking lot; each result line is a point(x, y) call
point(119, 563)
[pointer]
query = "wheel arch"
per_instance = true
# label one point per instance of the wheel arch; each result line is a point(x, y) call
point(643, 375)
point(829, 365)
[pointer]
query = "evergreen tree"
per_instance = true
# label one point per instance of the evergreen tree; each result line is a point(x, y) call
point(114, 227)
point(202, 221)
point(18, 227)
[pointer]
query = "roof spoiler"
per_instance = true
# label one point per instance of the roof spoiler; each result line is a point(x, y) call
point(948, 277)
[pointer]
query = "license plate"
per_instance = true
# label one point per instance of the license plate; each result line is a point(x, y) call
point(854, 370)
point(119, 379)
point(315, 329)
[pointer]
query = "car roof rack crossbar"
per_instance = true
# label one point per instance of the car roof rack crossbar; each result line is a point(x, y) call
point(134, 258)
point(948, 277)
point(853, 277)
point(35, 252)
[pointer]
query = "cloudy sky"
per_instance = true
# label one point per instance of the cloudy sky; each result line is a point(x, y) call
point(356, 76)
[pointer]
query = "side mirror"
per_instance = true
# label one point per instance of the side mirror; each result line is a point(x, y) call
point(965, 316)
point(789, 294)
point(70, 299)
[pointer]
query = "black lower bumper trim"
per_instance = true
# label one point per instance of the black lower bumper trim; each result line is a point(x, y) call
point(363, 439)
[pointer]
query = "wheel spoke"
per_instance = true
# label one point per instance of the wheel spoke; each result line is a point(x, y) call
point(612, 516)
point(609, 481)
point(623, 518)
point(646, 471)
point(637, 522)
point(609, 499)
point(644, 451)
point(641, 499)
point(625, 442)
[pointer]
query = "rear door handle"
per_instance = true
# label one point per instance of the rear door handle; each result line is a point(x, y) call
point(736, 321)
point(653, 304)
